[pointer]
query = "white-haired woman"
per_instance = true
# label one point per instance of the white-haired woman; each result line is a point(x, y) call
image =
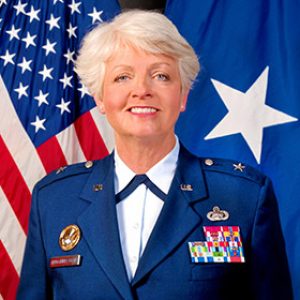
point(151, 220)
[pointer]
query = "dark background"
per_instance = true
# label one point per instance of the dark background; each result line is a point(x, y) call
point(143, 4)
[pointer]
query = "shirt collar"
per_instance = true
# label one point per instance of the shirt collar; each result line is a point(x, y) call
point(161, 174)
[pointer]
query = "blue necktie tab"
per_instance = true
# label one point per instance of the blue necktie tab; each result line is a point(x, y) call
point(135, 182)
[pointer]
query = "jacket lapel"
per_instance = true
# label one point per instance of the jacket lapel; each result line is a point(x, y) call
point(177, 218)
point(100, 226)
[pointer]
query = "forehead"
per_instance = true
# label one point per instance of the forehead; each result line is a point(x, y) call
point(132, 56)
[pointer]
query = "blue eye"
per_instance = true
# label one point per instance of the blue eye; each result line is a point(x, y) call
point(162, 77)
point(121, 78)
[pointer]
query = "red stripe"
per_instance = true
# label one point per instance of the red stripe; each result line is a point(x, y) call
point(51, 155)
point(9, 278)
point(89, 137)
point(14, 186)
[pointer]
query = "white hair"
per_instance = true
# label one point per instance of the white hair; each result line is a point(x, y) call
point(149, 31)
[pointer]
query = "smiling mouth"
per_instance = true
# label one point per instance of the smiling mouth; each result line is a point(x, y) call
point(143, 110)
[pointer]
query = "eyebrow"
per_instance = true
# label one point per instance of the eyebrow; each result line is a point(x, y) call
point(154, 65)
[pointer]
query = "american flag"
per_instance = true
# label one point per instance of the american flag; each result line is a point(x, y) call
point(47, 117)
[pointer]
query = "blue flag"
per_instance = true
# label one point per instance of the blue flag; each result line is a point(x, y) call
point(245, 104)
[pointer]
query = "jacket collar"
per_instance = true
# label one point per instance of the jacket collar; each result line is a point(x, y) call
point(188, 186)
point(100, 226)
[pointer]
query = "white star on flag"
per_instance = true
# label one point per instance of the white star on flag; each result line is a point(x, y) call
point(38, 124)
point(63, 106)
point(29, 40)
point(53, 22)
point(96, 15)
point(74, 6)
point(13, 33)
point(25, 65)
point(2, 2)
point(71, 30)
point(66, 81)
point(84, 91)
point(247, 113)
point(49, 47)
point(20, 8)
point(69, 56)
point(8, 58)
point(46, 73)
point(33, 14)
point(22, 90)
point(42, 98)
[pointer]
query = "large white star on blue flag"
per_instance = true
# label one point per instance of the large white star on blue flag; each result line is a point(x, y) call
point(247, 113)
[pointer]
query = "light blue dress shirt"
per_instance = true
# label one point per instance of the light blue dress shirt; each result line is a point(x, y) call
point(138, 213)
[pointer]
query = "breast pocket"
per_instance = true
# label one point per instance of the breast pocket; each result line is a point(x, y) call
point(217, 271)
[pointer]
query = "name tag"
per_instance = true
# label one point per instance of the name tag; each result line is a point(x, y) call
point(65, 261)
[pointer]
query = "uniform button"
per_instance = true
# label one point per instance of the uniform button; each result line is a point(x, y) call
point(209, 162)
point(88, 164)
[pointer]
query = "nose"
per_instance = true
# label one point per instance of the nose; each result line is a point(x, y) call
point(142, 88)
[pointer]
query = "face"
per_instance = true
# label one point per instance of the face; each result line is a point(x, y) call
point(142, 95)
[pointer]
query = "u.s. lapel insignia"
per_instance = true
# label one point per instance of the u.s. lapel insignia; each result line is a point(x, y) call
point(97, 187)
point(217, 214)
point(186, 187)
point(69, 237)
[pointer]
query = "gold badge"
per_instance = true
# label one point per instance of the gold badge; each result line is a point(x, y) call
point(217, 214)
point(69, 237)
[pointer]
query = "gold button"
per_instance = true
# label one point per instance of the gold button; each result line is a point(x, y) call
point(209, 162)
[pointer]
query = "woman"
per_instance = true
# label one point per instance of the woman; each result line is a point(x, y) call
point(186, 227)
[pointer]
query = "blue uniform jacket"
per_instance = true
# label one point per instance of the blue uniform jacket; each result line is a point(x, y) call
point(84, 195)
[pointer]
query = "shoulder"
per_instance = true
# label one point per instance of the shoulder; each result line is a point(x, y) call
point(71, 174)
point(65, 172)
point(232, 168)
point(226, 168)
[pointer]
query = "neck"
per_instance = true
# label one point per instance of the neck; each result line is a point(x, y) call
point(140, 155)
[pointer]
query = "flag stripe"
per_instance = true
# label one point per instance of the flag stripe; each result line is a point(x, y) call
point(11, 232)
point(9, 279)
point(89, 137)
point(104, 128)
point(70, 145)
point(18, 143)
point(51, 155)
point(14, 186)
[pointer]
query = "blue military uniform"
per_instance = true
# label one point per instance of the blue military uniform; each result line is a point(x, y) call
point(83, 195)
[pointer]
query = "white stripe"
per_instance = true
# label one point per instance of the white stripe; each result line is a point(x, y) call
point(17, 141)
point(70, 145)
point(11, 233)
point(104, 129)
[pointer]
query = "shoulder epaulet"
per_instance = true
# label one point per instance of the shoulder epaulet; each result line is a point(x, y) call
point(233, 168)
point(66, 171)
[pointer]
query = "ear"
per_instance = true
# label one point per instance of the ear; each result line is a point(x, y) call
point(100, 104)
point(184, 98)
